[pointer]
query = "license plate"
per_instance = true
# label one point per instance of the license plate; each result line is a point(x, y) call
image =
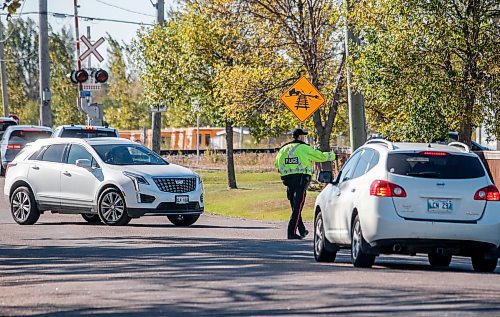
point(182, 199)
point(439, 205)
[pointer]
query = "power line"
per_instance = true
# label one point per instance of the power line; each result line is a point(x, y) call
point(64, 15)
point(124, 9)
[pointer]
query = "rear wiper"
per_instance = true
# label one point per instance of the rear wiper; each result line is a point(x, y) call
point(424, 174)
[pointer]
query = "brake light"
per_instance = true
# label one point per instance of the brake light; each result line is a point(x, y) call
point(433, 153)
point(89, 128)
point(383, 188)
point(489, 193)
point(14, 146)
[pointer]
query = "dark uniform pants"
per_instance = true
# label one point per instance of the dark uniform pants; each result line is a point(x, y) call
point(296, 193)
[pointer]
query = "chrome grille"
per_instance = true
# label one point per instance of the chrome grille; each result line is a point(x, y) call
point(176, 185)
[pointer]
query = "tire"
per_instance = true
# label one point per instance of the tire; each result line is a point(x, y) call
point(359, 257)
point(482, 264)
point(439, 260)
point(23, 206)
point(322, 246)
point(183, 220)
point(91, 218)
point(112, 209)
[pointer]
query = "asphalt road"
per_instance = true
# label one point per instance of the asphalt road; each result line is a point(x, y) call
point(219, 266)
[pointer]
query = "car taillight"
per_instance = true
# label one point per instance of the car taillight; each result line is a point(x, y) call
point(384, 188)
point(489, 193)
point(14, 146)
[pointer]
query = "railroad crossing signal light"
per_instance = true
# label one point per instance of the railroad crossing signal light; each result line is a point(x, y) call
point(100, 76)
point(79, 76)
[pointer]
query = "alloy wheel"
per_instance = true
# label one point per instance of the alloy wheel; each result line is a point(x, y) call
point(112, 207)
point(318, 235)
point(356, 240)
point(21, 206)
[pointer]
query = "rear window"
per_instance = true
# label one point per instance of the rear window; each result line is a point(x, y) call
point(87, 134)
point(4, 125)
point(450, 166)
point(26, 136)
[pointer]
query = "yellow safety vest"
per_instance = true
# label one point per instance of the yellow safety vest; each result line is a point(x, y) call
point(298, 158)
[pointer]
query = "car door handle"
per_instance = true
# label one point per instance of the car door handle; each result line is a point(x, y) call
point(353, 190)
point(66, 173)
point(35, 167)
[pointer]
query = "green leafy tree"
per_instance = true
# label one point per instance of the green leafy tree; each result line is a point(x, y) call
point(123, 108)
point(427, 67)
point(64, 92)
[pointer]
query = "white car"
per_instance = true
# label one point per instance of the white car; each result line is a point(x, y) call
point(105, 179)
point(409, 198)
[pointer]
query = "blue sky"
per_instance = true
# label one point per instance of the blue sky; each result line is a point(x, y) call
point(140, 11)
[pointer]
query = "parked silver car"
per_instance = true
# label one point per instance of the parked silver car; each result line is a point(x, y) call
point(16, 137)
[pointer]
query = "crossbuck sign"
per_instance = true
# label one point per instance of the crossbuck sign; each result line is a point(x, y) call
point(92, 48)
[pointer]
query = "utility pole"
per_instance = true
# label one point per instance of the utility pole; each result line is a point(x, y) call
point(156, 116)
point(355, 100)
point(43, 50)
point(5, 97)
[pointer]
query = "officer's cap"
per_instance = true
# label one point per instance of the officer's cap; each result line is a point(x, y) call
point(298, 132)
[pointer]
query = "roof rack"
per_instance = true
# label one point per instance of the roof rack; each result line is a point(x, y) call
point(460, 145)
point(389, 144)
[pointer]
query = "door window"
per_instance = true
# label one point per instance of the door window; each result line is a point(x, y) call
point(78, 152)
point(54, 153)
point(347, 169)
point(363, 162)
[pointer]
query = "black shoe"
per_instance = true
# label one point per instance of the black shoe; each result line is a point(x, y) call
point(304, 234)
point(295, 237)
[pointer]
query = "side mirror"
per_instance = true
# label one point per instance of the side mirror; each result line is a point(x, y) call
point(84, 163)
point(325, 177)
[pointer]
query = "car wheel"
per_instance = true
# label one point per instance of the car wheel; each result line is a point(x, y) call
point(359, 257)
point(91, 218)
point(183, 220)
point(322, 246)
point(112, 209)
point(439, 260)
point(23, 206)
point(481, 263)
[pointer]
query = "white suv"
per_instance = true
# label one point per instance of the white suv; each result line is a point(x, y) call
point(105, 179)
point(409, 198)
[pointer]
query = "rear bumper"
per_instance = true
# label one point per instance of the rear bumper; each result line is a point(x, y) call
point(436, 246)
point(385, 224)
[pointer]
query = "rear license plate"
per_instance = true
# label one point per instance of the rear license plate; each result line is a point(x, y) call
point(184, 199)
point(439, 205)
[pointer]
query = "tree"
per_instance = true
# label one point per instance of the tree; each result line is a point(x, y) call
point(64, 93)
point(122, 107)
point(426, 67)
point(309, 35)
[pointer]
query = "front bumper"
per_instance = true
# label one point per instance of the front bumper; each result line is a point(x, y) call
point(168, 208)
point(151, 201)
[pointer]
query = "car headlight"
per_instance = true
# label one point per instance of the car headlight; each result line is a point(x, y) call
point(136, 179)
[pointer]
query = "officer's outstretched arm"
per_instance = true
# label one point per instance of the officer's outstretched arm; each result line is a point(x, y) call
point(318, 156)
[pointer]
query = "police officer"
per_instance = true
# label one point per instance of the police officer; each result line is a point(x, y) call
point(295, 164)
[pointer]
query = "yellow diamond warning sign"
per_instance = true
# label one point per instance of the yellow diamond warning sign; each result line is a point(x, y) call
point(303, 99)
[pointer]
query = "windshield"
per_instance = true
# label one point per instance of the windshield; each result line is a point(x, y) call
point(449, 166)
point(87, 134)
point(26, 136)
point(128, 154)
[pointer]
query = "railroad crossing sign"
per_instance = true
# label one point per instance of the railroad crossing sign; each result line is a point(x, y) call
point(92, 48)
point(303, 99)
